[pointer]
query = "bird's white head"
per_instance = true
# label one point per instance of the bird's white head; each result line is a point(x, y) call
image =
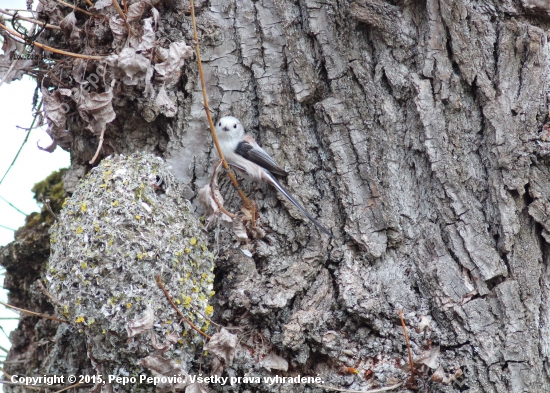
point(229, 127)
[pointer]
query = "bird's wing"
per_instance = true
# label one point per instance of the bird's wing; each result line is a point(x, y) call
point(250, 150)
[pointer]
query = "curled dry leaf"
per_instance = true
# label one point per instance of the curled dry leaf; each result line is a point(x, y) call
point(428, 358)
point(165, 104)
point(170, 69)
point(15, 67)
point(9, 45)
point(166, 367)
point(49, 149)
point(133, 65)
point(208, 203)
point(216, 366)
point(147, 40)
point(141, 324)
point(239, 229)
point(118, 28)
point(223, 345)
point(96, 109)
point(156, 16)
point(56, 116)
point(136, 10)
point(275, 362)
point(100, 4)
point(68, 26)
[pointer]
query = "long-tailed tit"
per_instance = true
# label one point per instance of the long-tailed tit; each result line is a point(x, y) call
point(243, 153)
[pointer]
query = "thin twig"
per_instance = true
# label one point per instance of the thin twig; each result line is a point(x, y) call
point(5, 373)
point(22, 144)
point(205, 317)
point(90, 3)
point(408, 345)
point(49, 48)
point(213, 193)
point(69, 387)
point(100, 143)
point(4, 349)
point(46, 25)
point(159, 282)
point(75, 7)
point(393, 387)
point(207, 109)
point(125, 7)
point(48, 294)
point(34, 313)
point(119, 10)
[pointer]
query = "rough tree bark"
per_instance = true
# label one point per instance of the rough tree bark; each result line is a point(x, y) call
point(415, 130)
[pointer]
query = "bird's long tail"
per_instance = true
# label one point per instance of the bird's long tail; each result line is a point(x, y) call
point(283, 191)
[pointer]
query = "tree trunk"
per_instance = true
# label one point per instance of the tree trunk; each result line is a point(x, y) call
point(416, 131)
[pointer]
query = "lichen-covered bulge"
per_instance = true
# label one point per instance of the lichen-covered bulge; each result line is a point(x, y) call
point(117, 232)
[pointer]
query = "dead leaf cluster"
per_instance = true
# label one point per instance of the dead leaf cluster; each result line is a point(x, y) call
point(83, 90)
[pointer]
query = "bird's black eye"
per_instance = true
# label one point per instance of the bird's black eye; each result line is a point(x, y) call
point(220, 124)
point(234, 126)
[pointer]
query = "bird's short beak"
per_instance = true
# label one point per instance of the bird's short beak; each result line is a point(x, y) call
point(225, 128)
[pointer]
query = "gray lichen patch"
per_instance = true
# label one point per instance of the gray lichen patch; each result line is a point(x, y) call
point(116, 233)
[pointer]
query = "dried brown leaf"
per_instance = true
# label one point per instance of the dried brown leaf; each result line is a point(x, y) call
point(167, 367)
point(135, 11)
point(134, 66)
point(49, 149)
point(170, 69)
point(100, 4)
point(216, 366)
point(239, 229)
point(141, 324)
point(68, 24)
point(9, 45)
point(96, 109)
point(223, 345)
point(165, 104)
point(118, 28)
point(55, 111)
point(147, 40)
point(156, 16)
point(275, 362)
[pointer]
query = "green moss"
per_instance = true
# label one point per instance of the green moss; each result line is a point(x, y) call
point(50, 188)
